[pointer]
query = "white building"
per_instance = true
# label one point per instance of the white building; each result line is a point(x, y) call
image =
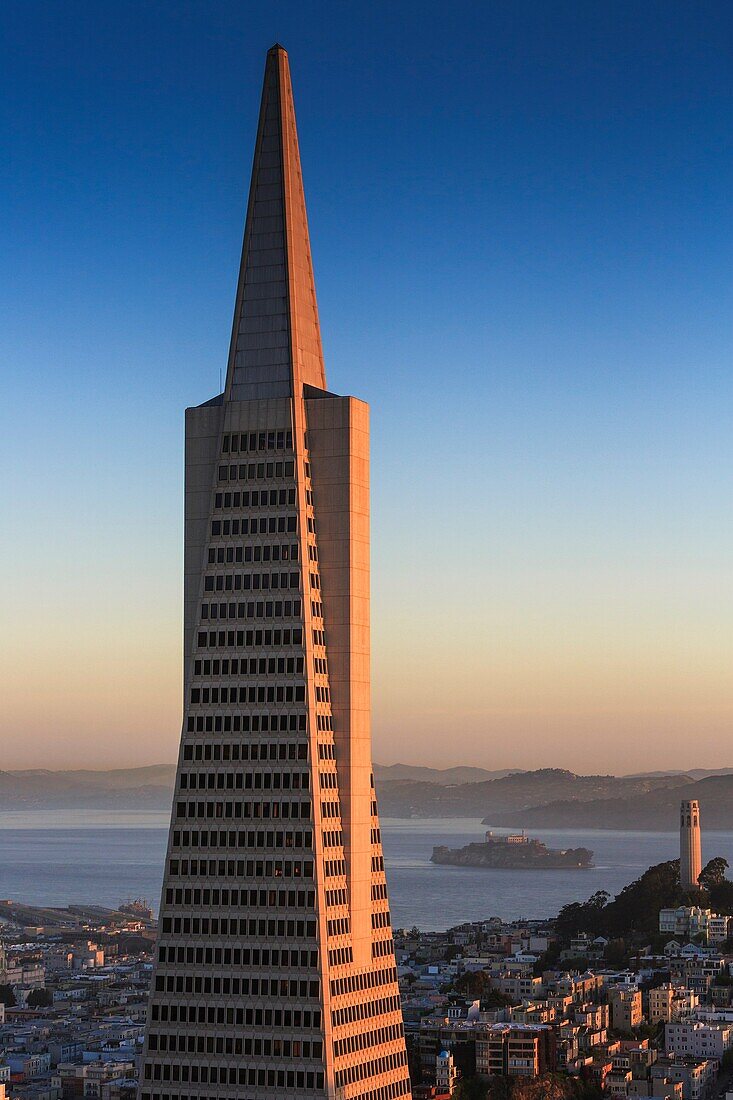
point(698, 1040)
point(446, 1074)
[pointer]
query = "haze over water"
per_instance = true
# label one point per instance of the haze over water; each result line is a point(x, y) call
point(60, 858)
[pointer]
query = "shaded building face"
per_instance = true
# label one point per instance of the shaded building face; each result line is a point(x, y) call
point(275, 973)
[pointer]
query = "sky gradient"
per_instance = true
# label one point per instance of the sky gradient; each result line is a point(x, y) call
point(521, 225)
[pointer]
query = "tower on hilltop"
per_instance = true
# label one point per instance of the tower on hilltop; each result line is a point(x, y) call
point(275, 972)
point(690, 844)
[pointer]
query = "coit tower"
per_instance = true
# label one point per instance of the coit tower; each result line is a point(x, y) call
point(690, 846)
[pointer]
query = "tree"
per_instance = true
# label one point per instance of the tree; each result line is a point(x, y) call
point(582, 916)
point(473, 983)
point(721, 897)
point(616, 952)
point(39, 998)
point(713, 873)
point(7, 997)
point(470, 1088)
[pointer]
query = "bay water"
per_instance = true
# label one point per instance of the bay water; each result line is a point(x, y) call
point(87, 856)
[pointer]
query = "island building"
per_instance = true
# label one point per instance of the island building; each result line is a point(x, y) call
point(275, 971)
point(690, 844)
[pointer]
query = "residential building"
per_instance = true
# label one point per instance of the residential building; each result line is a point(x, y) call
point(625, 1008)
point(695, 1075)
point(511, 1050)
point(446, 1073)
point(695, 1039)
point(668, 1003)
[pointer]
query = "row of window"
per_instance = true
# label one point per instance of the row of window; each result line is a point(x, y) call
point(330, 809)
point(238, 610)
point(252, 927)
point(372, 1068)
point(340, 926)
point(251, 471)
point(364, 1040)
point(247, 582)
point(340, 956)
point(257, 441)
point(221, 1075)
point(241, 868)
point(261, 693)
point(253, 751)
point(324, 722)
point(382, 948)
point(221, 1044)
point(262, 609)
point(217, 1014)
point(250, 525)
point(265, 810)
point(256, 987)
point(244, 666)
point(275, 781)
point(364, 1010)
point(265, 957)
point(287, 551)
point(292, 666)
point(256, 498)
point(240, 838)
point(371, 979)
point(244, 723)
point(228, 582)
point(244, 898)
point(250, 666)
point(333, 838)
point(264, 525)
point(382, 1092)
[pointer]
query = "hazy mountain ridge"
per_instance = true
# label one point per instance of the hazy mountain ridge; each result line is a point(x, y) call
point(513, 793)
point(547, 797)
point(657, 810)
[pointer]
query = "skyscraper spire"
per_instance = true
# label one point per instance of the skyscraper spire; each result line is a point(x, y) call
point(276, 339)
point(275, 971)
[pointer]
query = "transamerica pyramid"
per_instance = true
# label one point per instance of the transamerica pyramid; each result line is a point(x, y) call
point(275, 973)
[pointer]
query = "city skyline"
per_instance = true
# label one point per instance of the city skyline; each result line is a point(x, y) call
point(529, 229)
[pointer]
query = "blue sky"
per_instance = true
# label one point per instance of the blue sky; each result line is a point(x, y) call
point(521, 224)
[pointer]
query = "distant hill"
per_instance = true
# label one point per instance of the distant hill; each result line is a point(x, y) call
point(657, 809)
point(511, 793)
point(147, 788)
point(547, 798)
point(446, 777)
point(694, 773)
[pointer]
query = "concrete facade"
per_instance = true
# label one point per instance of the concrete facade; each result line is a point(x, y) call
point(275, 974)
point(690, 844)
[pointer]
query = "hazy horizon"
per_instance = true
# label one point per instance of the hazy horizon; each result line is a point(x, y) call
point(158, 763)
point(520, 219)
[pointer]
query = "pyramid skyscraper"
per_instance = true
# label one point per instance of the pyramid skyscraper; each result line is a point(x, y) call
point(275, 973)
